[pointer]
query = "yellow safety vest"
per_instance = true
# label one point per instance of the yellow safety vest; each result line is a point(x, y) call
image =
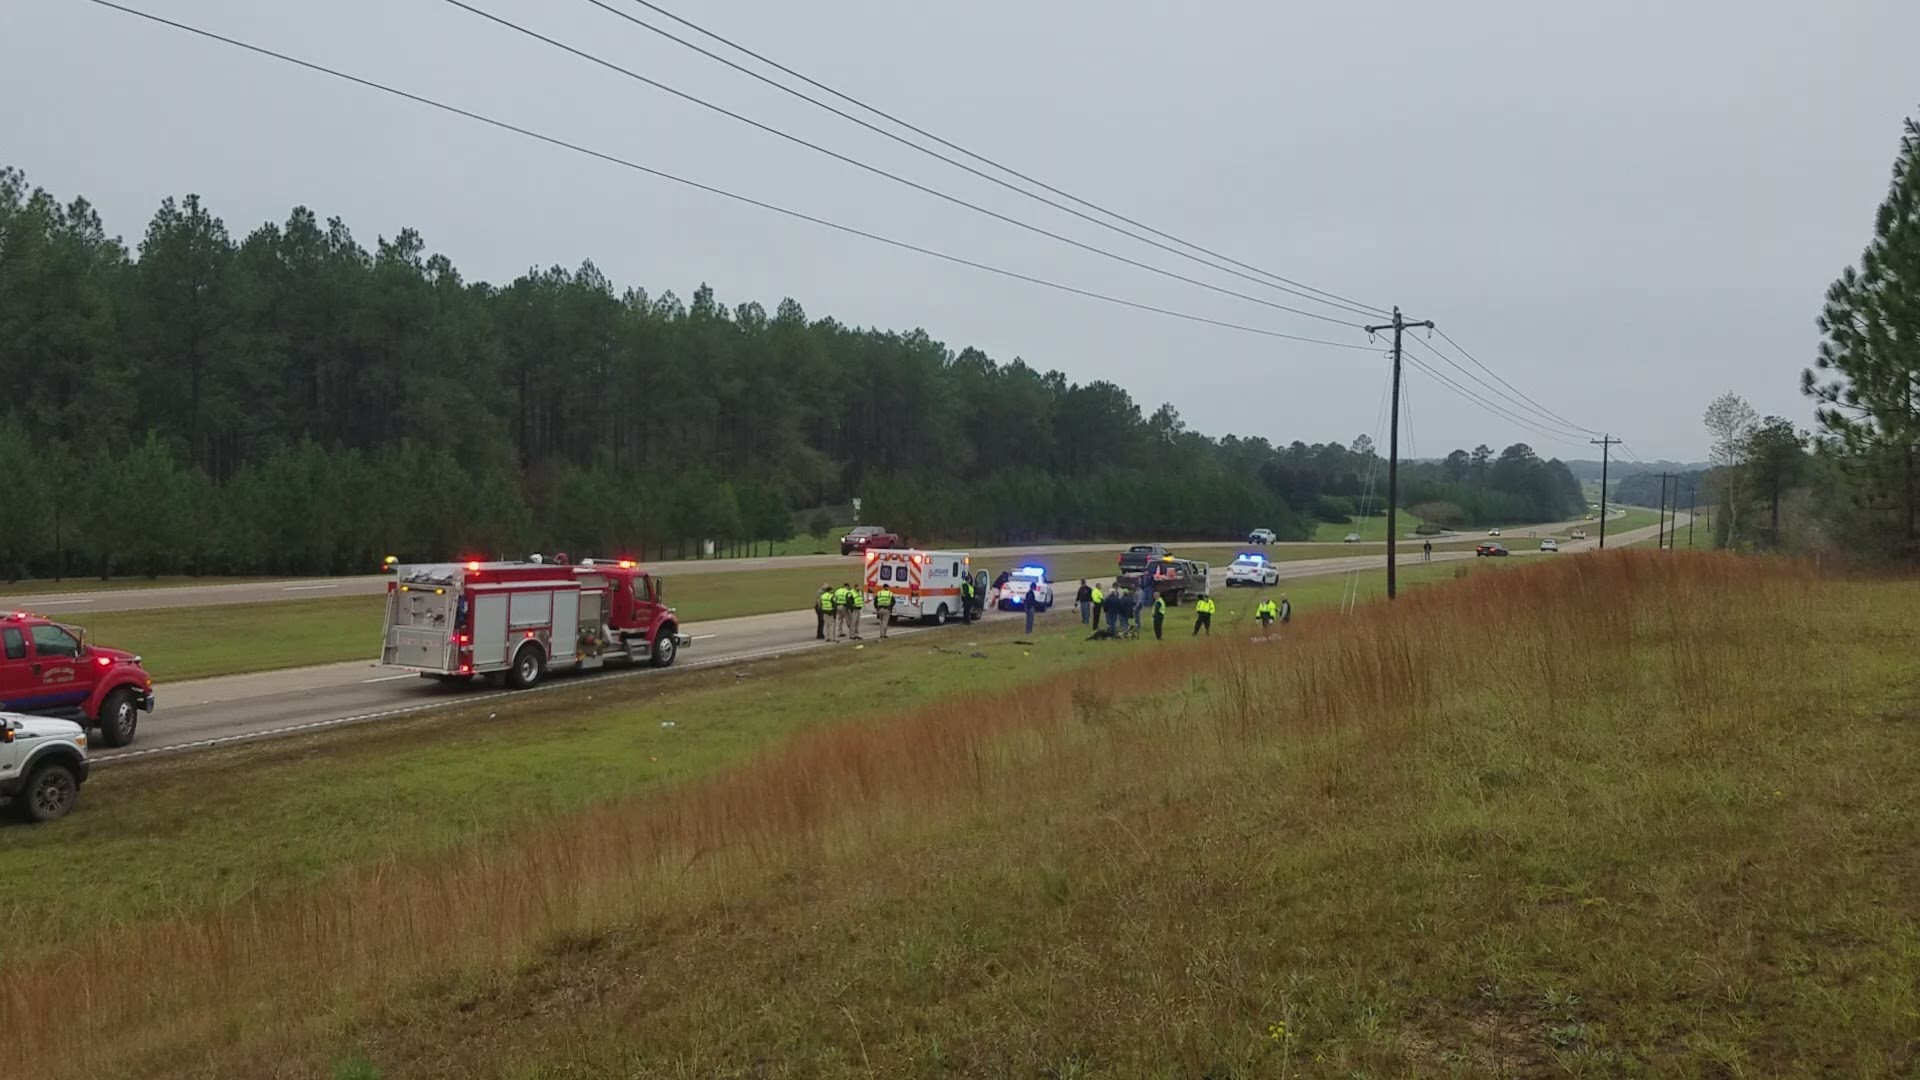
point(1098, 595)
point(1267, 609)
point(857, 598)
point(883, 598)
point(826, 600)
point(1203, 606)
point(1159, 605)
point(843, 597)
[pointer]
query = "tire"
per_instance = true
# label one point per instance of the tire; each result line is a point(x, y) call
point(940, 616)
point(49, 793)
point(666, 648)
point(529, 664)
point(119, 716)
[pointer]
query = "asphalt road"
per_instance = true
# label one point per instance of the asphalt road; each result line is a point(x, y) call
point(81, 602)
point(240, 708)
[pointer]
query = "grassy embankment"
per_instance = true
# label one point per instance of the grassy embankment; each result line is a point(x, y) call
point(193, 643)
point(1666, 830)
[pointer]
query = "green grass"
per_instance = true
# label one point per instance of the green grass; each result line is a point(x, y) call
point(94, 584)
point(1371, 847)
point(299, 810)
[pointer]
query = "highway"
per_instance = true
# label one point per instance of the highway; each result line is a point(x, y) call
point(240, 708)
point(83, 602)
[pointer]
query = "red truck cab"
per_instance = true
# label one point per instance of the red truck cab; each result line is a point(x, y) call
point(48, 669)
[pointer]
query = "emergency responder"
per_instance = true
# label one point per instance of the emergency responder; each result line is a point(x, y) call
point(842, 606)
point(1032, 602)
point(967, 598)
point(999, 587)
point(883, 608)
point(823, 613)
point(1113, 602)
point(1083, 600)
point(1286, 610)
point(1159, 615)
point(1266, 613)
point(858, 600)
point(1099, 601)
point(1203, 608)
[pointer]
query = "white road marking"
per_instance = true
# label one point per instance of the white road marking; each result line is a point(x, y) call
point(56, 603)
point(307, 588)
point(390, 678)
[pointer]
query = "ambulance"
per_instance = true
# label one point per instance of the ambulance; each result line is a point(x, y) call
point(925, 584)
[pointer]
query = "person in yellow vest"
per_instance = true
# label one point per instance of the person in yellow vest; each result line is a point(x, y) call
point(823, 613)
point(842, 605)
point(1203, 609)
point(883, 608)
point(1159, 615)
point(1266, 613)
point(858, 600)
point(1097, 598)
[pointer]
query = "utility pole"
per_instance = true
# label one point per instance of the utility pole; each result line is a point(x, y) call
point(1666, 538)
point(1398, 325)
point(1606, 443)
point(1690, 517)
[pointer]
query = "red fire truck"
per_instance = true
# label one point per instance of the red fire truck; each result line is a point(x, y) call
point(516, 621)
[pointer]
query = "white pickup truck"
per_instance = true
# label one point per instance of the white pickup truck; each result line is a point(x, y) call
point(42, 765)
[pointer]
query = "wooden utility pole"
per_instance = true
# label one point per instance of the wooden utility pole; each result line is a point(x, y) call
point(1398, 326)
point(1606, 443)
point(1664, 539)
point(1690, 517)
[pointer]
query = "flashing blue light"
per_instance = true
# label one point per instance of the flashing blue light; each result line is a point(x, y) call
point(1032, 571)
point(1251, 556)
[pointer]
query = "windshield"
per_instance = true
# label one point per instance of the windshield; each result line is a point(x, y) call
point(864, 530)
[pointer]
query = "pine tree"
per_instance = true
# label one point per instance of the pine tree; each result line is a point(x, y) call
point(1869, 360)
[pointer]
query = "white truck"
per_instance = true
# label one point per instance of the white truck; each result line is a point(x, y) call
point(43, 762)
point(925, 584)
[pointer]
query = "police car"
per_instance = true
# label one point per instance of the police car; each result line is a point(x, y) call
point(1252, 568)
point(1027, 585)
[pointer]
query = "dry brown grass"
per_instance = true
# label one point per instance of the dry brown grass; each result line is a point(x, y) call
point(1144, 868)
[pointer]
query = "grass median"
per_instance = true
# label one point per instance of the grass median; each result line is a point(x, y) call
point(1371, 847)
point(194, 643)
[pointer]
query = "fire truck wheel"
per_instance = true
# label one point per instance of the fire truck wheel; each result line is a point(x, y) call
point(667, 648)
point(118, 718)
point(528, 665)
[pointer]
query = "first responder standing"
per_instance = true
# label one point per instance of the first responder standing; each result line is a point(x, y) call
point(1099, 601)
point(1266, 613)
point(1203, 608)
point(823, 613)
point(1032, 602)
point(883, 609)
point(1159, 615)
point(1286, 610)
point(967, 598)
point(859, 600)
point(842, 606)
point(1083, 600)
point(1426, 551)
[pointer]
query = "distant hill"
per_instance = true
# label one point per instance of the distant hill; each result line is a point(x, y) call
point(1590, 470)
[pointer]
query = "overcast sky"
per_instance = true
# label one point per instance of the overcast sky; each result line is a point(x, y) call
point(1625, 208)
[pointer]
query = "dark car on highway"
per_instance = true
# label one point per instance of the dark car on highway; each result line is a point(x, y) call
point(863, 537)
point(1136, 558)
point(1490, 550)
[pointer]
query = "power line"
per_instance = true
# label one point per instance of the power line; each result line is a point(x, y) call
point(1542, 408)
point(708, 188)
point(1490, 407)
point(878, 171)
point(1540, 418)
point(963, 166)
point(1009, 170)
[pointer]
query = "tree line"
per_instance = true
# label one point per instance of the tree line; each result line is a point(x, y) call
point(291, 401)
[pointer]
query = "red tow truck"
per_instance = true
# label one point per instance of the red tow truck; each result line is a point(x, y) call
point(513, 622)
point(48, 669)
